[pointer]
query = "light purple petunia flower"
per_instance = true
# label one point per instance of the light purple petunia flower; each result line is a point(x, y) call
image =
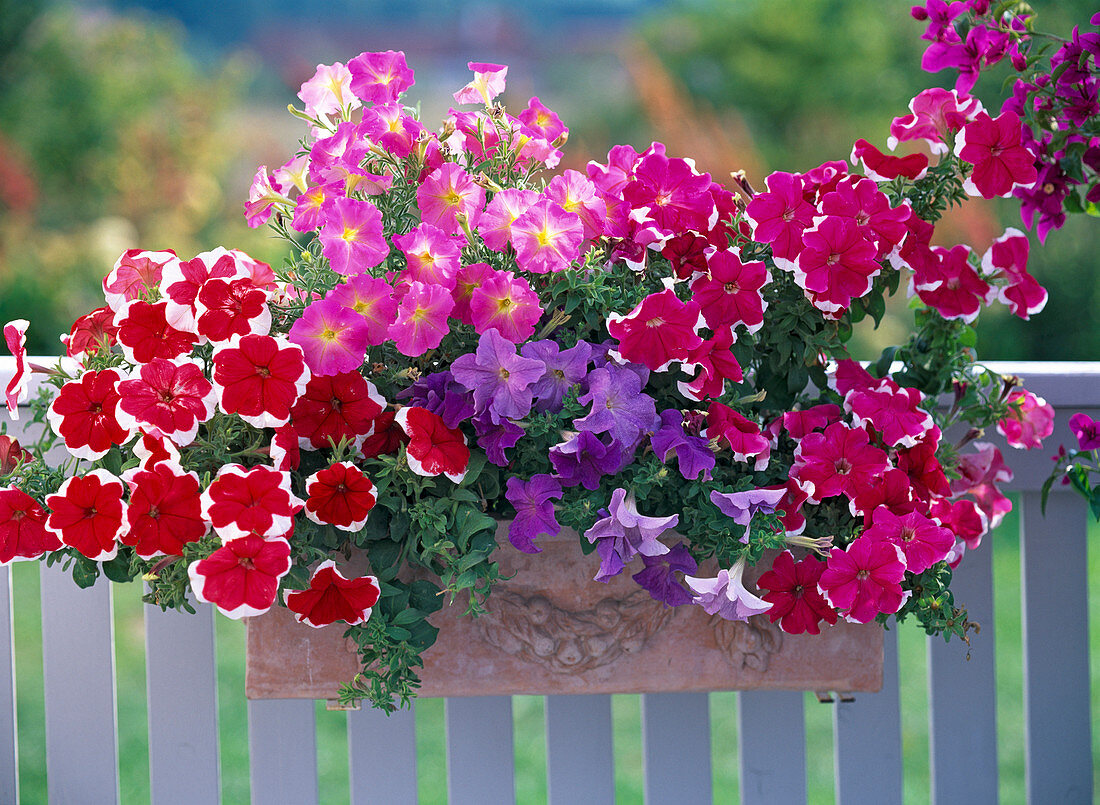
point(625, 533)
point(500, 379)
point(618, 405)
point(658, 576)
point(533, 500)
point(726, 595)
point(585, 458)
point(693, 453)
point(741, 506)
point(564, 369)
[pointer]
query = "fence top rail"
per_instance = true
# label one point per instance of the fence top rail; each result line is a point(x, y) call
point(1061, 383)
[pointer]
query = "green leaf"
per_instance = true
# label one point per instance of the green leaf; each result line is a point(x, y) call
point(85, 572)
point(407, 616)
point(425, 596)
point(112, 462)
point(398, 633)
point(118, 569)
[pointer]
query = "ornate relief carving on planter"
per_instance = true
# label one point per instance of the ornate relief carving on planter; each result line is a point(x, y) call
point(551, 629)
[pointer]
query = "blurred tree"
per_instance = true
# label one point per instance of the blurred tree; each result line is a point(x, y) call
point(125, 143)
point(809, 77)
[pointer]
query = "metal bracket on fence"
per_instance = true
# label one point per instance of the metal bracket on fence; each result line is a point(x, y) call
point(828, 697)
point(337, 705)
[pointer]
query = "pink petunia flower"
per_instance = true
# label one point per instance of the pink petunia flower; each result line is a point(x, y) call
point(447, 193)
point(329, 91)
point(88, 514)
point(661, 329)
point(372, 298)
point(433, 449)
point(380, 77)
point(543, 120)
point(922, 541)
point(263, 194)
point(331, 597)
point(740, 434)
point(421, 321)
point(994, 148)
point(864, 580)
point(1006, 259)
point(980, 472)
point(729, 294)
point(332, 337)
point(169, 398)
point(352, 238)
point(675, 195)
point(135, 275)
point(432, 256)
point(839, 461)
point(1029, 421)
point(546, 237)
point(951, 285)
point(883, 167)
point(507, 303)
point(488, 82)
point(18, 388)
point(340, 495)
point(893, 411)
point(391, 129)
point(933, 114)
point(259, 378)
point(714, 364)
point(574, 193)
point(85, 414)
point(780, 215)
point(836, 264)
point(165, 512)
point(242, 577)
point(495, 224)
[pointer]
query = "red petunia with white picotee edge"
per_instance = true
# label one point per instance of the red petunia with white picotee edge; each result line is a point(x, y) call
point(341, 496)
point(250, 502)
point(88, 514)
point(434, 449)
point(242, 577)
point(259, 378)
point(18, 389)
point(331, 597)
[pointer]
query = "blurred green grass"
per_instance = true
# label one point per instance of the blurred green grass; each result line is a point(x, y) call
point(528, 711)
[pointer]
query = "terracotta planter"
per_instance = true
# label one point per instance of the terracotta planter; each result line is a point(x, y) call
point(551, 629)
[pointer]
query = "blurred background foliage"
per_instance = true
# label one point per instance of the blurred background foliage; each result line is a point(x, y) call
point(139, 123)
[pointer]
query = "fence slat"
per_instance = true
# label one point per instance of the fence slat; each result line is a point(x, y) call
point(580, 761)
point(382, 756)
point(676, 747)
point(182, 682)
point(772, 731)
point(870, 727)
point(9, 734)
point(1056, 649)
point(962, 693)
point(480, 751)
point(78, 666)
point(282, 744)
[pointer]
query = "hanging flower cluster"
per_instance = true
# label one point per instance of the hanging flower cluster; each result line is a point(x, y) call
point(460, 337)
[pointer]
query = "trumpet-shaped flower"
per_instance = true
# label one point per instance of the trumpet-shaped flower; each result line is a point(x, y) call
point(329, 91)
point(792, 591)
point(242, 577)
point(18, 388)
point(259, 378)
point(84, 414)
point(495, 224)
point(448, 192)
point(500, 379)
point(488, 82)
point(352, 238)
point(331, 597)
point(421, 321)
point(624, 533)
point(726, 595)
point(380, 77)
point(336, 407)
point(23, 533)
point(864, 580)
point(372, 298)
point(507, 304)
point(661, 329)
point(333, 338)
point(535, 516)
point(88, 514)
point(340, 495)
point(431, 256)
point(165, 512)
point(546, 237)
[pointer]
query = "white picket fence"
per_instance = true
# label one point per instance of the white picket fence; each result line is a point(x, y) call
point(81, 722)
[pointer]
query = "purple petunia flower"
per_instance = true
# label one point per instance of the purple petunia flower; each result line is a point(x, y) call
point(1086, 430)
point(726, 595)
point(564, 369)
point(495, 437)
point(618, 405)
point(658, 576)
point(585, 458)
point(499, 378)
point(693, 453)
point(625, 533)
point(741, 506)
point(533, 500)
point(442, 395)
